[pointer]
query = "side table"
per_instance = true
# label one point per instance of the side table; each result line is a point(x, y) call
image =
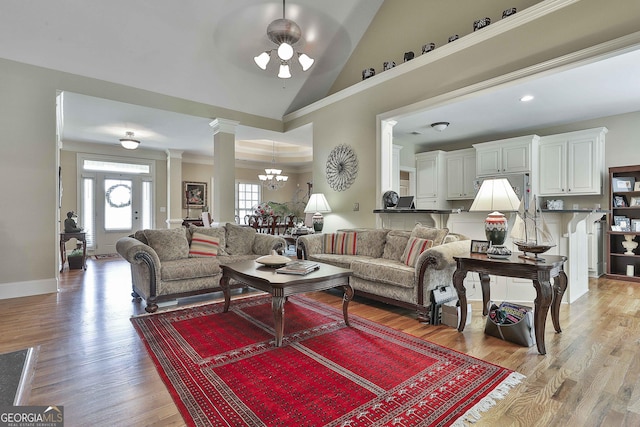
point(65, 237)
point(540, 273)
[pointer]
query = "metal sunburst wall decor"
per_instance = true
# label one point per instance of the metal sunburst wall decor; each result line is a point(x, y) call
point(342, 167)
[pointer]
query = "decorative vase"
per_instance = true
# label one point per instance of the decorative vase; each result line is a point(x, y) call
point(629, 244)
point(368, 72)
point(428, 47)
point(495, 228)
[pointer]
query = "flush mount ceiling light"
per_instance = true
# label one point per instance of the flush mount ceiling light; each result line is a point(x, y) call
point(285, 33)
point(526, 98)
point(440, 126)
point(128, 142)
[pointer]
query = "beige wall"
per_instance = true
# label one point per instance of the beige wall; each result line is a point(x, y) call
point(405, 25)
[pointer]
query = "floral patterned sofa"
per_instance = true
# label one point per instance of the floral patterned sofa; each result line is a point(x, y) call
point(174, 263)
point(393, 266)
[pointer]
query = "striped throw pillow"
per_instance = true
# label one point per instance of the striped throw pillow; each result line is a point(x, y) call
point(345, 243)
point(203, 245)
point(329, 243)
point(414, 248)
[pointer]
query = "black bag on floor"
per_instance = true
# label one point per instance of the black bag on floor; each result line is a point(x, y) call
point(511, 322)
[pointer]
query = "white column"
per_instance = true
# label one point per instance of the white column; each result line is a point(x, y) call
point(224, 169)
point(174, 188)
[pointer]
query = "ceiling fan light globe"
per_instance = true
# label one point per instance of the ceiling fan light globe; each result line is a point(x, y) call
point(285, 51)
point(305, 61)
point(262, 60)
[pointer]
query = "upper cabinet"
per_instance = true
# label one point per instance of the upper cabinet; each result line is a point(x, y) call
point(461, 174)
point(430, 177)
point(507, 156)
point(572, 163)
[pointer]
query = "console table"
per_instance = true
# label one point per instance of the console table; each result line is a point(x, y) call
point(79, 236)
point(540, 273)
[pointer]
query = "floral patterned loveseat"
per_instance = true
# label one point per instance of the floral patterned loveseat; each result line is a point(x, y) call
point(393, 266)
point(174, 263)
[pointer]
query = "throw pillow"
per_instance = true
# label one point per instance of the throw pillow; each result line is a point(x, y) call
point(329, 243)
point(395, 244)
point(346, 243)
point(414, 248)
point(430, 233)
point(239, 239)
point(169, 244)
point(203, 245)
point(217, 232)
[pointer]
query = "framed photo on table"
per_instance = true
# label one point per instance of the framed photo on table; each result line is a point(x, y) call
point(194, 194)
point(479, 246)
point(635, 225)
point(634, 201)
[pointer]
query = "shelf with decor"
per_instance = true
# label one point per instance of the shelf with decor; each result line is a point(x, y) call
point(623, 235)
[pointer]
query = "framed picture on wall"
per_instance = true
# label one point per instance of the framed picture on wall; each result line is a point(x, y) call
point(194, 194)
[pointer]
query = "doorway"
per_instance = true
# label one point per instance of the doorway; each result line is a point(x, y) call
point(114, 203)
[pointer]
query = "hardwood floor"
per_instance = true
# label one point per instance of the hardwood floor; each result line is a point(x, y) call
point(92, 361)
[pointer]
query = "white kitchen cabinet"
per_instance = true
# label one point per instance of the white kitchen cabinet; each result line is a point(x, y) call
point(430, 177)
point(507, 156)
point(461, 174)
point(572, 163)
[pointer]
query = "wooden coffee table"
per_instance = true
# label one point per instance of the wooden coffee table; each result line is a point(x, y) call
point(280, 286)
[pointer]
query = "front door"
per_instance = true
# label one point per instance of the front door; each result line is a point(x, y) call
point(118, 210)
point(122, 204)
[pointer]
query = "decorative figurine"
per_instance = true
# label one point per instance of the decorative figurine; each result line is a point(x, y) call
point(428, 47)
point(368, 72)
point(387, 65)
point(70, 225)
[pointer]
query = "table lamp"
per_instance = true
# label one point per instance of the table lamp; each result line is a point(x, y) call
point(496, 195)
point(318, 205)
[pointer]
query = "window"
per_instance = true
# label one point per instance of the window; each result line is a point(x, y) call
point(247, 196)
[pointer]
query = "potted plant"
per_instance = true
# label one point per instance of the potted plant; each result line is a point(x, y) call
point(76, 260)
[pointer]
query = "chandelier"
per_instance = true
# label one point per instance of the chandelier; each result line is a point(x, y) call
point(273, 178)
point(284, 33)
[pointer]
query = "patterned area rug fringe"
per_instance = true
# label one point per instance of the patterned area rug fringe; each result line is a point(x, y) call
point(474, 414)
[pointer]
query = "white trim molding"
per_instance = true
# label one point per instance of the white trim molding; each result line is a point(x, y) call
point(28, 288)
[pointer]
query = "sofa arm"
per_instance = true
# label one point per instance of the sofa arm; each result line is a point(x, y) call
point(310, 244)
point(145, 265)
point(263, 244)
point(435, 267)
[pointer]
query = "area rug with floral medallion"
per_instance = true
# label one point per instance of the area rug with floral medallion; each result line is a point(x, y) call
point(222, 369)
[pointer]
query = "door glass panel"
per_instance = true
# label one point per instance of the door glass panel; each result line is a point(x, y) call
point(117, 204)
point(146, 205)
point(87, 218)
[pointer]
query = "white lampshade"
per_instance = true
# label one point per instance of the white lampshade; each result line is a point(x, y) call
point(263, 59)
point(284, 73)
point(317, 203)
point(305, 61)
point(495, 195)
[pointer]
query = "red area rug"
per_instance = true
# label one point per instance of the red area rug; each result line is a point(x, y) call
point(222, 369)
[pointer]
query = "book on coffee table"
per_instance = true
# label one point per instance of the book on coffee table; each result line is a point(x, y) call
point(298, 267)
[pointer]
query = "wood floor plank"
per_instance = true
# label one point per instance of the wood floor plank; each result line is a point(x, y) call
point(92, 361)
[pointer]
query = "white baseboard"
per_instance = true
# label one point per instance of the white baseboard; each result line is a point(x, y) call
point(28, 288)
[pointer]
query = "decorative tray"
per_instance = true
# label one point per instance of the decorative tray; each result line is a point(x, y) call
point(273, 261)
